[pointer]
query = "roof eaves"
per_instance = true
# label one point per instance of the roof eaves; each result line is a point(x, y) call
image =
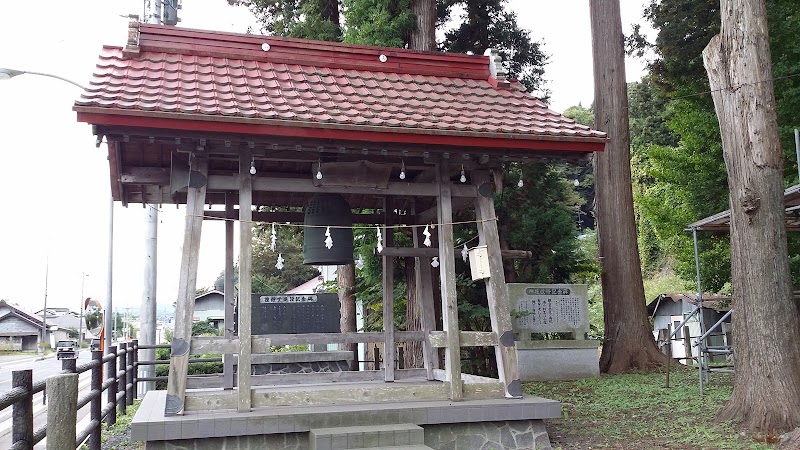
point(282, 127)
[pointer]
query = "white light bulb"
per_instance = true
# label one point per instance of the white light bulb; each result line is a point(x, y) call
point(403, 170)
point(253, 167)
point(576, 183)
point(402, 175)
point(520, 183)
point(319, 175)
point(463, 176)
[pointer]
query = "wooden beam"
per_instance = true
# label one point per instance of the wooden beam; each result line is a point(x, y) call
point(145, 175)
point(344, 376)
point(467, 338)
point(388, 295)
point(187, 285)
point(447, 270)
point(230, 301)
point(476, 387)
point(497, 292)
point(288, 216)
point(422, 272)
point(430, 215)
point(338, 338)
point(221, 344)
point(245, 186)
point(335, 395)
point(424, 252)
point(306, 185)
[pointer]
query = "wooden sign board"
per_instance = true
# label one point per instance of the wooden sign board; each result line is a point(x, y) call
point(295, 313)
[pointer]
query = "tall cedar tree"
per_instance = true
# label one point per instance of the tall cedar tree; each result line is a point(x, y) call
point(629, 342)
point(766, 391)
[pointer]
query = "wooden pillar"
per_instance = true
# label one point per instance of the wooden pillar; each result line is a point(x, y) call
point(388, 293)
point(447, 271)
point(497, 291)
point(422, 271)
point(230, 302)
point(245, 278)
point(187, 285)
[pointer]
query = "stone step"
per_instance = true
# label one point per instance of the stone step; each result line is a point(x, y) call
point(369, 436)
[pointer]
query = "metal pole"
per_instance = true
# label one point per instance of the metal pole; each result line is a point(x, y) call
point(148, 309)
point(797, 149)
point(45, 341)
point(80, 316)
point(699, 307)
point(109, 319)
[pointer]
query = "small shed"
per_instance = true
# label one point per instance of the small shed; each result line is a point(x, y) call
point(670, 310)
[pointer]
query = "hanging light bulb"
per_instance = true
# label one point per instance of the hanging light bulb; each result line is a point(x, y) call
point(253, 166)
point(520, 183)
point(435, 261)
point(576, 183)
point(319, 170)
point(402, 170)
point(360, 263)
point(463, 176)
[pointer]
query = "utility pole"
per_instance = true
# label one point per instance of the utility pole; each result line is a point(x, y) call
point(149, 303)
point(44, 312)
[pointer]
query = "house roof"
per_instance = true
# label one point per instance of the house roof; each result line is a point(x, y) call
point(19, 311)
point(717, 302)
point(722, 221)
point(208, 81)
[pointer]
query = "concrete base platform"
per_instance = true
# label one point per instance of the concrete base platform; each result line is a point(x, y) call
point(558, 360)
point(469, 425)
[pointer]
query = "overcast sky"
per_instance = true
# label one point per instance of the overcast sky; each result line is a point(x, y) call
point(54, 183)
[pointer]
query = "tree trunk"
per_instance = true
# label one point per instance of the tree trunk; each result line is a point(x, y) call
point(766, 390)
point(424, 35)
point(346, 281)
point(629, 342)
point(412, 356)
point(330, 11)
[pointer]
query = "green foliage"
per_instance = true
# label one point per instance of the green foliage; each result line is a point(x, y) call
point(386, 23)
point(584, 116)
point(204, 328)
point(636, 411)
point(307, 19)
point(489, 24)
point(541, 217)
point(678, 170)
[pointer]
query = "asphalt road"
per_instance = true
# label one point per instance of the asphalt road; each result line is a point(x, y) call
point(41, 370)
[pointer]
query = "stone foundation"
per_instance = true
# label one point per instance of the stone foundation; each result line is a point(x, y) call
point(558, 360)
point(520, 434)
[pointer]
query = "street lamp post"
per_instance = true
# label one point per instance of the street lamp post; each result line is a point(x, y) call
point(80, 312)
point(6, 74)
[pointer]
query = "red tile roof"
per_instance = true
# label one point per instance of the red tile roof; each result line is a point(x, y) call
point(212, 81)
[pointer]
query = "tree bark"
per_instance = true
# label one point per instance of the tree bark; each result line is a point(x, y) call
point(424, 35)
point(412, 356)
point(346, 281)
point(766, 391)
point(629, 342)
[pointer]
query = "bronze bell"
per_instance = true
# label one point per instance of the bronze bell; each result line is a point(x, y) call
point(327, 210)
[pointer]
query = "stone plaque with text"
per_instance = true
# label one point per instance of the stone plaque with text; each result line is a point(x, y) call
point(295, 313)
point(549, 308)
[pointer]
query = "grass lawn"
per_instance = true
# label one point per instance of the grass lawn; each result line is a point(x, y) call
point(636, 411)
